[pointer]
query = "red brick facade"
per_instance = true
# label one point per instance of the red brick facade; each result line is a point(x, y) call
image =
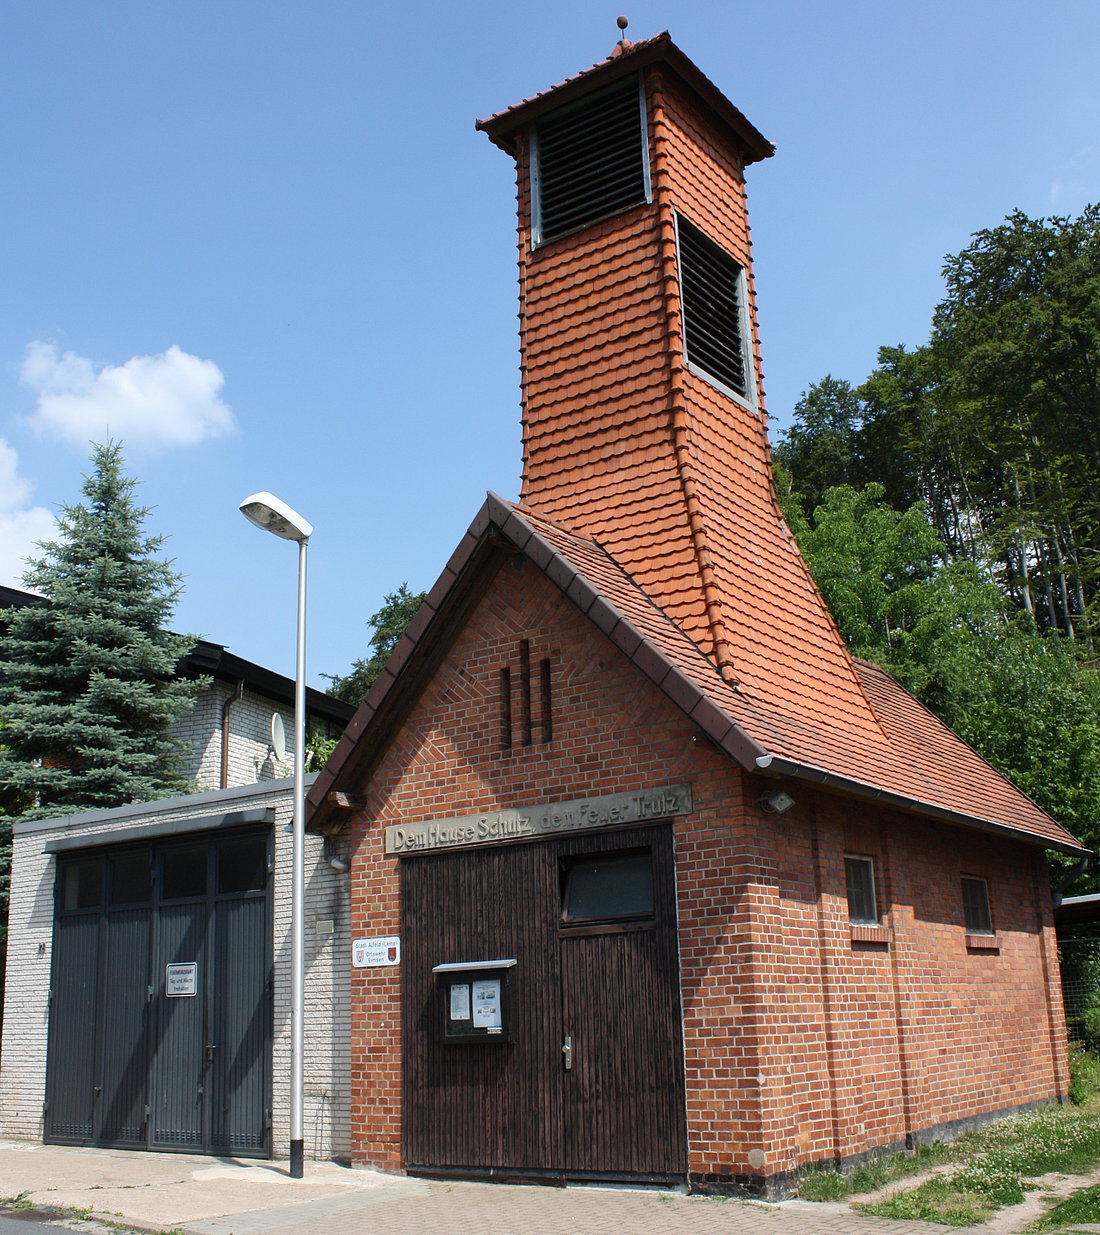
point(687, 645)
point(801, 1043)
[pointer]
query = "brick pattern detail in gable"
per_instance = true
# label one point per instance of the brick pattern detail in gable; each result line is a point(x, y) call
point(798, 1043)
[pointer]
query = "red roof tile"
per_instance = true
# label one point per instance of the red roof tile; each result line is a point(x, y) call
point(502, 125)
point(911, 761)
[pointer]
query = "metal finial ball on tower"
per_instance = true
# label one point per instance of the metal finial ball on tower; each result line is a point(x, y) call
point(622, 21)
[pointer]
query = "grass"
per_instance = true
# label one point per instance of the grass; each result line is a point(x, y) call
point(997, 1164)
point(869, 1176)
point(1083, 1206)
point(1084, 1075)
point(990, 1168)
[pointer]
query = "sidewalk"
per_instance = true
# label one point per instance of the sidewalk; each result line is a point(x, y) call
point(221, 1196)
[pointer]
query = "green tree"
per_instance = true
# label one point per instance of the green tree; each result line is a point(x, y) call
point(389, 623)
point(89, 686)
point(818, 450)
point(1018, 695)
point(994, 425)
point(1017, 343)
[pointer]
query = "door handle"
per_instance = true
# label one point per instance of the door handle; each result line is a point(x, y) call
point(567, 1051)
point(211, 1047)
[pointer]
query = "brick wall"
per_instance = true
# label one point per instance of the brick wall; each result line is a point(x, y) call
point(251, 757)
point(26, 1012)
point(801, 1043)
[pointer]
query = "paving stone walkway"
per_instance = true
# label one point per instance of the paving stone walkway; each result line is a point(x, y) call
point(212, 1196)
point(498, 1209)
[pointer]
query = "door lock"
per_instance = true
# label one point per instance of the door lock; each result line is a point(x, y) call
point(567, 1051)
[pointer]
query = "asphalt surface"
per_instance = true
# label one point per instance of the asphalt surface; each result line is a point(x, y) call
point(22, 1225)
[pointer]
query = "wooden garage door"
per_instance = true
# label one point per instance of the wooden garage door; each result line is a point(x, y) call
point(586, 1079)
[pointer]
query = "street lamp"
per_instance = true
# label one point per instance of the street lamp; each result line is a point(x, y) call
point(267, 512)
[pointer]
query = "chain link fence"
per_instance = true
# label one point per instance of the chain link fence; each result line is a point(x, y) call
point(1080, 964)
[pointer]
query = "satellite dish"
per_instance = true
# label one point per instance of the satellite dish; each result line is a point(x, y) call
point(278, 737)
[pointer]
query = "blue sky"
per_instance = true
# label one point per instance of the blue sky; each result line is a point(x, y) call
point(263, 245)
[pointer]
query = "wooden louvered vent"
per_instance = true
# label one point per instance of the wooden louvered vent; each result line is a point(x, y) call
point(710, 282)
point(591, 161)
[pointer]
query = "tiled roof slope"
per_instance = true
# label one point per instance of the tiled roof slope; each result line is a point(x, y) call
point(920, 765)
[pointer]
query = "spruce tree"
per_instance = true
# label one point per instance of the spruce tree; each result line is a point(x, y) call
point(88, 683)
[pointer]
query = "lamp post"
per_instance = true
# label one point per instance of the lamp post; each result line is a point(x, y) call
point(268, 512)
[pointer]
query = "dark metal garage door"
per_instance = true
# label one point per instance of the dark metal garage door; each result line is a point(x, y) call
point(161, 997)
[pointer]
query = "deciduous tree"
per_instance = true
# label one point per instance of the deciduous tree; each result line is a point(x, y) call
point(389, 623)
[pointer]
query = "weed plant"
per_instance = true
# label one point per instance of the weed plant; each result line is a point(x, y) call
point(1084, 1075)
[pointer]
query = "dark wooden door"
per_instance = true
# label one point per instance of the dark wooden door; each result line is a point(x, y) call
point(623, 1101)
point(603, 985)
point(486, 1105)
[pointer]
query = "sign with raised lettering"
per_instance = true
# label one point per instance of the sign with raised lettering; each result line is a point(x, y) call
point(551, 819)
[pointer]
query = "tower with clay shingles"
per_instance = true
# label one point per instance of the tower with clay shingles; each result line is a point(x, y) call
point(643, 412)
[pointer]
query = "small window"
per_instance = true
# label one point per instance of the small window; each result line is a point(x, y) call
point(979, 921)
point(183, 873)
point(83, 884)
point(242, 865)
point(598, 887)
point(712, 296)
point(131, 877)
point(590, 161)
point(859, 876)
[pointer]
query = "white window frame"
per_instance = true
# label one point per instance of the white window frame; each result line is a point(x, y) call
point(749, 398)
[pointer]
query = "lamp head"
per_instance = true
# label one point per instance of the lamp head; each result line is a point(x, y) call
point(776, 802)
point(269, 513)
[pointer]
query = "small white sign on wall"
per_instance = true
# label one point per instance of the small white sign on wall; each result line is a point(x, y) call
point(181, 979)
point(369, 953)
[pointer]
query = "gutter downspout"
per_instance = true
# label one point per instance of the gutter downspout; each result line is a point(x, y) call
point(233, 698)
point(1070, 876)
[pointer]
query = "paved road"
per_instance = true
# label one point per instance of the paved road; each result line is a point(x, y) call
point(30, 1223)
point(499, 1209)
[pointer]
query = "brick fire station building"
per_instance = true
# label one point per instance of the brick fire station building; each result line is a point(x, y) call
point(683, 892)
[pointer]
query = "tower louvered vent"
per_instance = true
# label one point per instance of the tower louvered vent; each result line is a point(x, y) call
point(710, 282)
point(590, 161)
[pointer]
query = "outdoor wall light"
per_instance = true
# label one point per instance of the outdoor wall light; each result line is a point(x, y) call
point(339, 864)
point(777, 801)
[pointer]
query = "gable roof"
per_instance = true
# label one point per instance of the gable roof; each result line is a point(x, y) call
point(914, 762)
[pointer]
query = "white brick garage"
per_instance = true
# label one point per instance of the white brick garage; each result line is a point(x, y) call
point(187, 824)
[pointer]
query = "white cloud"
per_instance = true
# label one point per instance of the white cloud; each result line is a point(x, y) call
point(21, 526)
point(150, 402)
